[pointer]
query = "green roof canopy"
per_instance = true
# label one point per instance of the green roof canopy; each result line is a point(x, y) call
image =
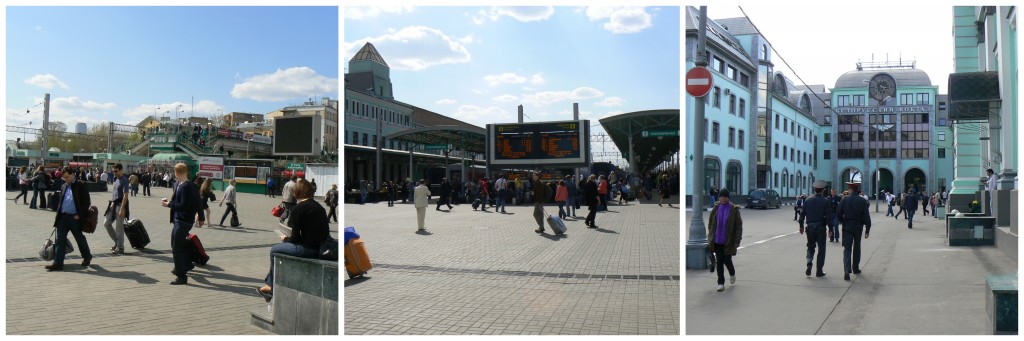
point(651, 150)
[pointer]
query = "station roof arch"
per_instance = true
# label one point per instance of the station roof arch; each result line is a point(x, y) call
point(650, 151)
point(466, 138)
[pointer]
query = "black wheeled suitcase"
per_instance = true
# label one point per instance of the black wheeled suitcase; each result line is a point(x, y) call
point(476, 204)
point(136, 233)
point(234, 221)
point(199, 255)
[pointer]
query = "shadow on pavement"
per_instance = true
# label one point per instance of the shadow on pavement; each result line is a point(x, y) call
point(132, 275)
point(554, 237)
point(244, 290)
point(240, 230)
point(602, 230)
point(355, 281)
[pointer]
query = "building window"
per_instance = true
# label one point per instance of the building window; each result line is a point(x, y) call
point(776, 150)
point(942, 105)
point(828, 154)
point(744, 80)
point(743, 108)
point(732, 137)
point(733, 178)
point(858, 100)
point(718, 65)
point(775, 182)
point(922, 99)
point(716, 99)
point(792, 154)
point(366, 140)
point(355, 137)
point(942, 153)
point(942, 121)
point(740, 141)
point(844, 101)
point(764, 56)
point(732, 104)
point(942, 136)
point(730, 72)
point(776, 121)
point(706, 130)
point(792, 127)
point(784, 149)
point(828, 137)
point(374, 144)
point(785, 125)
point(714, 133)
point(712, 173)
point(907, 99)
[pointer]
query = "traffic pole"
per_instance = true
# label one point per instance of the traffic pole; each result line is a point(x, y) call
point(697, 242)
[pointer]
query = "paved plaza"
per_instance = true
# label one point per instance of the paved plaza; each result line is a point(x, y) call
point(912, 283)
point(490, 273)
point(130, 293)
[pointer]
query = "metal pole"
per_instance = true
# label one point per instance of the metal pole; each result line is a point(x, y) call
point(698, 239)
point(377, 141)
point(878, 170)
point(43, 144)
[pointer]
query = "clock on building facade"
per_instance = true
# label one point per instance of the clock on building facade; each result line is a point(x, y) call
point(881, 87)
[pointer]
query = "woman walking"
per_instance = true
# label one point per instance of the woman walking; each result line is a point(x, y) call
point(206, 195)
point(561, 196)
point(23, 184)
point(725, 230)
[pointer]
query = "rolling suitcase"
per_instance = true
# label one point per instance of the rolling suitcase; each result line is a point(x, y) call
point(357, 260)
point(199, 255)
point(136, 233)
point(476, 204)
point(234, 221)
point(556, 224)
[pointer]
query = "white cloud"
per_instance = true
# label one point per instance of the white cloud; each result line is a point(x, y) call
point(505, 98)
point(512, 78)
point(415, 48)
point(291, 83)
point(472, 113)
point(610, 102)
point(446, 101)
point(550, 97)
point(621, 19)
point(469, 39)
point(47, 81)
point(359, 12)
point(203, 108)
point(521, 13)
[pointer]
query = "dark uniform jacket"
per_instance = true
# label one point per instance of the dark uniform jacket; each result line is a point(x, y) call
point(816, 210)
point(590, 193)
point(912, 201)
point(79, 194)
point(853, 212)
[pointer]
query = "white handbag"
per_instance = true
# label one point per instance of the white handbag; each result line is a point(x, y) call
point(48, 252)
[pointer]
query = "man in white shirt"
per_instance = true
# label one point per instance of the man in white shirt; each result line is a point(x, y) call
point(229, 198)
point(288, 197)
point(991, 187)
point(500, 188)
point(421, 197)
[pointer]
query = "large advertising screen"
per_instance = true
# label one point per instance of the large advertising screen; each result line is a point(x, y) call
point(563, 143)
point(299, 135)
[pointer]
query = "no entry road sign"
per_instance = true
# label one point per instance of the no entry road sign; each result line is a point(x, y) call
point(698, 81)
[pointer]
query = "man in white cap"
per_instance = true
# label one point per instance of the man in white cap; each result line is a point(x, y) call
point(817, 213)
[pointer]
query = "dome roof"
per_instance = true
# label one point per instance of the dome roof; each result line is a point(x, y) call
point(903, 77)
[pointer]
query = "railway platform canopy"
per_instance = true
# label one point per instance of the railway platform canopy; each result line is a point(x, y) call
point(468, 139)
point(646, 138)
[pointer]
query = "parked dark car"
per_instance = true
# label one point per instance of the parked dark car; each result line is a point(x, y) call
point(764, 198)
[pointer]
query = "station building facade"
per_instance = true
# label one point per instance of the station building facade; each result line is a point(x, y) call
point(372, 112)
point(794, 134)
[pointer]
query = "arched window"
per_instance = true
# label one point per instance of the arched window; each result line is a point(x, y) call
point(712, 174)
point(764, 51)
point(733, 180)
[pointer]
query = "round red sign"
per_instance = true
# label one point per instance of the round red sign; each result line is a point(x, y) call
point(699, 81)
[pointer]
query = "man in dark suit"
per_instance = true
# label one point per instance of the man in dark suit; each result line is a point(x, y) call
point(853, 212)
point(590, 196)
point(72, 210)
point(913, 199)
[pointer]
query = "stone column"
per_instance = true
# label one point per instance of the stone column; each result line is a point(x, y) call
point(966, 164)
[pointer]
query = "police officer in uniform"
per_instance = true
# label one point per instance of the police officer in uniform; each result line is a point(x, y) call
point(853, 213)
point(817, 213)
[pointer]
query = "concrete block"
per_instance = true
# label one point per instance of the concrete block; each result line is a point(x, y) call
point(1001, 209)
point(1006, 242)
point(1014, 211)
point(307, 320)
point(285, 310)
point(300, 274)
point(970, 231)
point(330, 318)
point(330, 282)
point(1001, 303)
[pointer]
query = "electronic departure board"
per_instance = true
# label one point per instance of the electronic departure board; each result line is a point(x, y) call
point(524, 144)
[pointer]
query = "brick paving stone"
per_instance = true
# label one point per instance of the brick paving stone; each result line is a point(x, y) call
point(129, 294)
point(486, 273)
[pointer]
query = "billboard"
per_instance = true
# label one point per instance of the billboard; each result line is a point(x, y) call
point(298, 135)
point(211, 167)
point(562, 143)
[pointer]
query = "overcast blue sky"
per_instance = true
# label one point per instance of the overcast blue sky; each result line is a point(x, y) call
point(119, 64)
point(477, 64)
